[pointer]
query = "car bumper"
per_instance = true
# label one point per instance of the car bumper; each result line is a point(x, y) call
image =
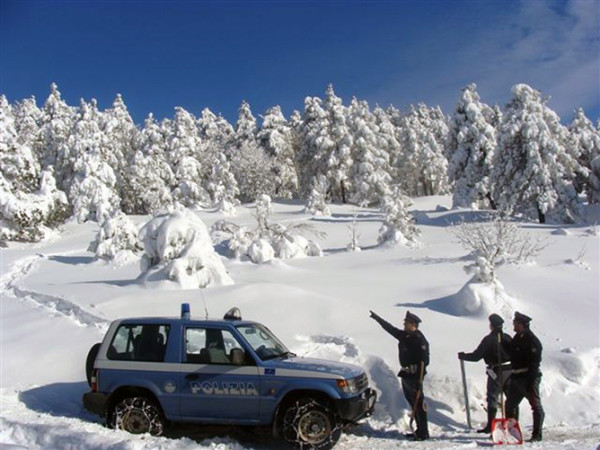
point(95, 402)
point(356, 408)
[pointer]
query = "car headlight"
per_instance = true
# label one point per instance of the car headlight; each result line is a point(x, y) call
point(348, 386)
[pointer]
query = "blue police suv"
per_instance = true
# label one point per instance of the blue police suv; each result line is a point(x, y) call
point(151, 371)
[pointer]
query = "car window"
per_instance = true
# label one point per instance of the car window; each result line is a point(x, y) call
point(145, 342)
point(213, 346)
point(265, 344)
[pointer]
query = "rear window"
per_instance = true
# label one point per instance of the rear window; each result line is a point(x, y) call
point(145, 342)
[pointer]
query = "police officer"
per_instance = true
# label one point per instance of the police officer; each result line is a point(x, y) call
point(498, 368)
point(525, 352)
point(413, 352)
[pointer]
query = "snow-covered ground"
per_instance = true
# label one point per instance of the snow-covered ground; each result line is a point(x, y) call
point(57, 302)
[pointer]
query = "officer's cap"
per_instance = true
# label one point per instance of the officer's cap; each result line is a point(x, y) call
point(412, 318)
point(496, 320)
point(522, 318)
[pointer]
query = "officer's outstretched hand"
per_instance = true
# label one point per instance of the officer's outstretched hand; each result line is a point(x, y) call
point(373, 315)
point(461, 355)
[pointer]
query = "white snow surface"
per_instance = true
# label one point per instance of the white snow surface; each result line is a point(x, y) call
point(57, 301)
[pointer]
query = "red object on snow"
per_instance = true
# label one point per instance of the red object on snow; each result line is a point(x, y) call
point(506, 431)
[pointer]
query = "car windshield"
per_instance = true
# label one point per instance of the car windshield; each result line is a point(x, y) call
point(263, 342)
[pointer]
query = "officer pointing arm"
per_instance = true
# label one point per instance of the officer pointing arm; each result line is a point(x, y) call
point(413, 353)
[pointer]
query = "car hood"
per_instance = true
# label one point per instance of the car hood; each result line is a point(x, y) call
point(317, 365)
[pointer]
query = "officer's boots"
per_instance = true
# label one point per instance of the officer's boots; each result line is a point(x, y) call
point(491, 416)
point(538, 420)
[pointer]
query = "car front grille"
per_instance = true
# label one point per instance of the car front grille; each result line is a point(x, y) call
point(362, 381)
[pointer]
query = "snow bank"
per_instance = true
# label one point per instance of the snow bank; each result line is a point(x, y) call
point(177, 247)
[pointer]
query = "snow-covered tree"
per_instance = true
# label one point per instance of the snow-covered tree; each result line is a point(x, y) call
point(422, 166)
point(121, 137)
point(177, 247)
point(222, 186)
point(92, 189)
point(314, 144)
point(29, 216)
point(398, 224)
point(117, 239)
point(245, 129)
point(586, 140)
point(316, 203)
point(263, 209)
point(471, 145)
point(183, 148)
point(337, 156)
point(370, 173)
point(149, 177)
point(276, 137)
point(533, 170)
point(253, 171)
point(495, 243)
point(55, 128)
point(18, 165)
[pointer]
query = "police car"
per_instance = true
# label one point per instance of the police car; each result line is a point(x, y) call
point(151, 371)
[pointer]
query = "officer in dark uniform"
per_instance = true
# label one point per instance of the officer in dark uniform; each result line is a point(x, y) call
point(413, 352)
point(498, 366)
point(525, 352)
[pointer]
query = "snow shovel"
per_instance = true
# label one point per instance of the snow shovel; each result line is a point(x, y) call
point(464, 381)
point(505, 431)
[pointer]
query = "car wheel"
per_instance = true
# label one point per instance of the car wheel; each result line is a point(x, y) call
point(309, 424)
point(89, 362)
point(138, 415)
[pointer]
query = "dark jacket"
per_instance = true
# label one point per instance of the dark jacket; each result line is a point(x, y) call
point(525, 352)
point(488, 349)
point(413, 348)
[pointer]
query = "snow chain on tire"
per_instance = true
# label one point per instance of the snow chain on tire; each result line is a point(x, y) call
point(307, 424)
point(138, 415)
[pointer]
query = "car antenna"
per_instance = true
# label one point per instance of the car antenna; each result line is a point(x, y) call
point(204, 302)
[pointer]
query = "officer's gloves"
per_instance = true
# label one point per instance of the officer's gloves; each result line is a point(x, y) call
point(461, 355)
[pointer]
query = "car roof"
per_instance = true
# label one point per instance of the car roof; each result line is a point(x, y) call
point(179, 320)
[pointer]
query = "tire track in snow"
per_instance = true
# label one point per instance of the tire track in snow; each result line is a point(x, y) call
point(52, 303)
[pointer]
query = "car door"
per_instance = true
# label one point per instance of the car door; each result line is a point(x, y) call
point(219, 379)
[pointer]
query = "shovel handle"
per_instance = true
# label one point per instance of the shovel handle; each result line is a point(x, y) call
point(466, 392)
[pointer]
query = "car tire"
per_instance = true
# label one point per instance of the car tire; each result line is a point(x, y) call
point(89, 362)
point(308, 424)
point(138, 415)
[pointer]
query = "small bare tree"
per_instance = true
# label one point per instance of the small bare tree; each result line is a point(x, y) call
point(496, 243)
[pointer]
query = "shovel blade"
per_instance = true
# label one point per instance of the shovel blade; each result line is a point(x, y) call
point(506, 431)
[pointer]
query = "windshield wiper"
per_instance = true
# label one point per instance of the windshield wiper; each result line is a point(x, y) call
point(279, 355)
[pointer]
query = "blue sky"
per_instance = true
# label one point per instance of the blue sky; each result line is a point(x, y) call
point(198, 54)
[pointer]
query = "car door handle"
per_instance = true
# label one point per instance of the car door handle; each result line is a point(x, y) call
point(192, 376)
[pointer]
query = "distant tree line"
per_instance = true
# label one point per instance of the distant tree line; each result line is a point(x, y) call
point(62, 162)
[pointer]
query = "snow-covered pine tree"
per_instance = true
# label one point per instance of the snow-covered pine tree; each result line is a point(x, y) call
point(398, 224)
point(27, 118)
point(183, 148)
point(55, 128)
point(250, 164)
point(316, 203)
point(92, 190)
point(276, 137)
point(149, 177)
point(532, 169)
point(121, 137)
point(338, 157)
point(422, 165)
point(18, 164)
point(315, 144)
point(253, 169)
point(586, 140)
point(471, 145)
point(387, 139)
point(370, 173)
point(222, 186)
